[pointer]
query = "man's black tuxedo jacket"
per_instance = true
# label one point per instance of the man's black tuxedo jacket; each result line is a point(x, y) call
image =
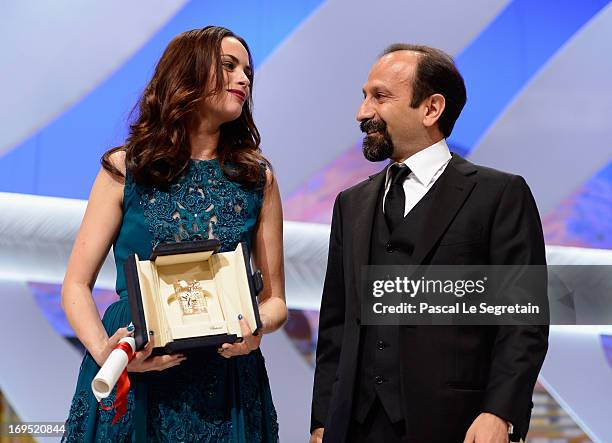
point(449, 374)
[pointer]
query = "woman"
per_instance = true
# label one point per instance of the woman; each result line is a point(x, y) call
point(190, 169)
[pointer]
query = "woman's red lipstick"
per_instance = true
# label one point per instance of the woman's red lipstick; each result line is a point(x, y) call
point(237, 93)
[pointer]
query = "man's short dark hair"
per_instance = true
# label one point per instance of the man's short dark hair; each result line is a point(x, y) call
point(436, 73)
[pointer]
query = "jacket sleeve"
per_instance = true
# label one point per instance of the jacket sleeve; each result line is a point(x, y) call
point(518, 351)
point(331, 324)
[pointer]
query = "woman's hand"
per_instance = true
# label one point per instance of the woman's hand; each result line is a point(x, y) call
point(105, 350)
point(143, 362)
point(249, 342)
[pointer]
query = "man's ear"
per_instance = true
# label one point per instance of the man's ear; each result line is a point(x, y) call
point(434, 106)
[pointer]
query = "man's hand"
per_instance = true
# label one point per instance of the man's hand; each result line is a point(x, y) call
point(487, 428)
point(317, 436)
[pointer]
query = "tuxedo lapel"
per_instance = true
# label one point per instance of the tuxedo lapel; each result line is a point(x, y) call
point(454, 186)
point(363, 211)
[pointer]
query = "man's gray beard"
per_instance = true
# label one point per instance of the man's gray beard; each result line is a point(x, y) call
point(376, 149)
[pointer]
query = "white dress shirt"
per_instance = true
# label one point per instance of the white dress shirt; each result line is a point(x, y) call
point(426, 166)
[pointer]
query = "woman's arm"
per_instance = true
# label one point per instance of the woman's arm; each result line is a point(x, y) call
point(268, 257)
point(98, 230)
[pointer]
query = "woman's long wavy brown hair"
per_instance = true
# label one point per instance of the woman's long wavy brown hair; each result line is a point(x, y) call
point(157, 147)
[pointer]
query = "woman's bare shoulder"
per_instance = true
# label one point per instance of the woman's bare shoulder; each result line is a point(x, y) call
point(117, 159)
point(110, 182)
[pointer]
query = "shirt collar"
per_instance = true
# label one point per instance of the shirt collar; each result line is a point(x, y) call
point(427, 162)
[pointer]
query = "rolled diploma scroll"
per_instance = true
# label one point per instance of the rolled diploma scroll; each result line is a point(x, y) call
point(106, 378)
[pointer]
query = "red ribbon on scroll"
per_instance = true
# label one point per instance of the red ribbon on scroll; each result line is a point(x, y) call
point(123, 386)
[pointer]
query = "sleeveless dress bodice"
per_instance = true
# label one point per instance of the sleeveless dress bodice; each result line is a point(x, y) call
point(202, 204)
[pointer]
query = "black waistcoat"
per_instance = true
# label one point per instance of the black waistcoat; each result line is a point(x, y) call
point(378, 373)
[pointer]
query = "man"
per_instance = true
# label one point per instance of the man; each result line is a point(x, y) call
point(423, 384)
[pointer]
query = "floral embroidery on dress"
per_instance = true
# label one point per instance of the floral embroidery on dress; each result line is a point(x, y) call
point(197, 407)
point(82, 407)
point(202, 204)
point(252, 401)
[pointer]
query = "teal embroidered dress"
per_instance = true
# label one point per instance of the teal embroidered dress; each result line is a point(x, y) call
point(207, 398)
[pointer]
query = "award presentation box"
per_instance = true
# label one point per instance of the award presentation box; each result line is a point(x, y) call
point(188, 295)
